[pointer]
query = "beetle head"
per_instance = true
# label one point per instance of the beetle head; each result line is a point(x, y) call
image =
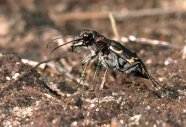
point(85, 38)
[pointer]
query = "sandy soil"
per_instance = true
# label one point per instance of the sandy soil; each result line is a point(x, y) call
point(48, 97)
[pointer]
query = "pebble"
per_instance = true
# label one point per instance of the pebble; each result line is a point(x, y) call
point(74, 124)
point(16, 75)
point(168, 61)
point(92, 105)
point(7, 78)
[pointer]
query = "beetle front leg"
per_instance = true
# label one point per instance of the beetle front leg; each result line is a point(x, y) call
point(96, 72)
point(92, 55)
point(83, 73)
point(89, 58)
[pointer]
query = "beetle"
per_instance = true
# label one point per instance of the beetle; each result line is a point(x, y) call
point(112, 54)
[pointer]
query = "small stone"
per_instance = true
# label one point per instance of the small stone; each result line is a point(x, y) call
point(168, 61)
point(148, 107)
point(7, 78)
point(74, 124)
point(149, 61)
point(135, 119)
point(121, 121)
point(184, 110)
point(132, 38)
point(97, 109)
point(16, 75)
point(92, 105)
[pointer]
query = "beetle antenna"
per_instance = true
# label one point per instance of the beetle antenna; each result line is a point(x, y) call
point(52, 40)
point(61, 46)
point(64, 44)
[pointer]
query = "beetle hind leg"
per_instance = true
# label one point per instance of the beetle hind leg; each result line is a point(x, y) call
point(164, 91)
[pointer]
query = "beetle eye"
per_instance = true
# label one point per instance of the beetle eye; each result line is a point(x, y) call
point(86, 36)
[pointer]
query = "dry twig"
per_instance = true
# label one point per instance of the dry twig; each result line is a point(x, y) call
point(114, 27)
point(119, 15)
point(159, 43)
point(62, 70)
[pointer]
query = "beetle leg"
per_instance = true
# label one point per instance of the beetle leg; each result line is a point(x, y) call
point(131, 65)
point(156, 85)
point(168, 92)
point(96, 72)
point(83, 74)
point(88, 58)
point(92, 55)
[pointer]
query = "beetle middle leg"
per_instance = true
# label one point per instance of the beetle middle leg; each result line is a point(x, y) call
point(88, 58)
point(97, 89)
point(96, 72)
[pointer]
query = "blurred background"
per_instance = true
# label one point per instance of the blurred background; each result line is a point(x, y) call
point(27, 25)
